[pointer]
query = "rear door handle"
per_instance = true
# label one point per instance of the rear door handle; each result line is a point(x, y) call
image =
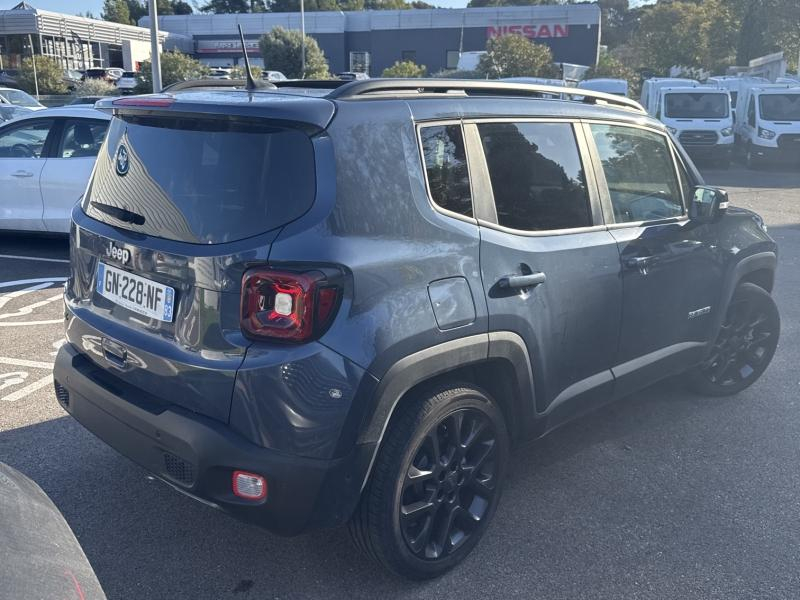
point(22, 174)
point(522, 281)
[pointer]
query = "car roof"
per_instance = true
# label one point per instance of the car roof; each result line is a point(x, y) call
point(81, 112)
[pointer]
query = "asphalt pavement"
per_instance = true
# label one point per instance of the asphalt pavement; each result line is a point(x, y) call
point(663, 495)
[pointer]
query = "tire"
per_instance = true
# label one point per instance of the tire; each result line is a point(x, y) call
point(744, 346)
point(454, 495)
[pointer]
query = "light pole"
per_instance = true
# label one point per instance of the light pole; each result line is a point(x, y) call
point(303, 48)
point(155, 58)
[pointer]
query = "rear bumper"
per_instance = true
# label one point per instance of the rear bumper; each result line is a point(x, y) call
point(197, 455)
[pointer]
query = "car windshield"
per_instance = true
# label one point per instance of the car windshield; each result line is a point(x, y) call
point(780, 107)
point(696, 105)
point(19, 98)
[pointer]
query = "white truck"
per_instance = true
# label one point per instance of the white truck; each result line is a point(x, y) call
point(768, 124)
point(734, 84)
point(650, 87)
point(602, 84)
point(700, 118)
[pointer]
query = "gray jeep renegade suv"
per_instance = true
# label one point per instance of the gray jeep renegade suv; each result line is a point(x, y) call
point(347, 302)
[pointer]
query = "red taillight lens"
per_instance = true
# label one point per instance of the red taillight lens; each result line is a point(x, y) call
point(286, 306)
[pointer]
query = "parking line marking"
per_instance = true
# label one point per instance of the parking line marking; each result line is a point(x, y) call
point(16, 257)
point(5, 284)
point(15, 323)
point(9, 296)
point(26, 310)
point(28, 389)
point(19, 362)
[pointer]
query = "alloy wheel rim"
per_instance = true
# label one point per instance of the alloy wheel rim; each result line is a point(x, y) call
point(449, 485)
point(743, 346)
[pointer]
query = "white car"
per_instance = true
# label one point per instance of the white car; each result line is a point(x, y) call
point(46, 159)
point(128, 81)
point(20, 98)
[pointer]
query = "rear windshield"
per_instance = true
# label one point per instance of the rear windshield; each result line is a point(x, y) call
point(696, 106)
point(205, 181)
point(780, 107)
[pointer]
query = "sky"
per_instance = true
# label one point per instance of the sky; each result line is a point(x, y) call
point(72, 7)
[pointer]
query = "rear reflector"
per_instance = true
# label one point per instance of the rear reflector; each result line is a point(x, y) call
point(249, 485)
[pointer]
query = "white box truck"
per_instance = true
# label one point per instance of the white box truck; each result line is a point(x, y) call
point(768, 124)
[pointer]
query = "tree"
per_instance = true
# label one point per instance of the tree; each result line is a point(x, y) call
point(137, 10)
point(516, 56)
point(96, 87)
point(116, 11)
point(405, 68)
point(49, 73)
point(281, 50)
point(234, 6)
point(175, 67)
point(611, 66)
point(180, 7)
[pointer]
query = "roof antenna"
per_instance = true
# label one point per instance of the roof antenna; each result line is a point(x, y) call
point(251, 83)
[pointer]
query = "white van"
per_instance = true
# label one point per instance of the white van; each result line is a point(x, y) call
point(768, 124)
point(651, 86)
point(618, 87)
point(734, 85)
point(700, 118)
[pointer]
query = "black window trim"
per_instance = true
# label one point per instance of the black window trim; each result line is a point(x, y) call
point(449, 213)
point(483, 203)
point(600, 176)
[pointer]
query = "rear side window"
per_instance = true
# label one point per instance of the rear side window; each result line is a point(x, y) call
point(537, 176)
point(640, 173)
point(446, 168)
point(205, 181)
point(82, 138)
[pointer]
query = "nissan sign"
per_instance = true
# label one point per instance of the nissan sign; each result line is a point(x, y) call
point(532, 31)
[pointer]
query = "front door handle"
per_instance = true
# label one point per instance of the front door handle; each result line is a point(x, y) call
point(641, 263)
point(522, 281)
point(22, 174)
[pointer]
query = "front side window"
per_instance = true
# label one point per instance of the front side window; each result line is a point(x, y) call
point(25, 141)
point(640, 173)
point(446, 168)
point(82, 138)
point(537, 177)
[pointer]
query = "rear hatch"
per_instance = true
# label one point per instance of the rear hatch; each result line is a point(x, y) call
point(187, 193)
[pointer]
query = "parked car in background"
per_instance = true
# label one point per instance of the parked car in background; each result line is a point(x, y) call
point(351, 76)
point(128, 81)
point(220, 73)
point(72, 78)
point(20, 98)
point(618, 87)
point(98, 73)
point(9, 112)
point(768, 124)
point(701, 119)
point(273, 76)
point(46, 158)
point(84, 100)
point(8, 78)
point(114, 72)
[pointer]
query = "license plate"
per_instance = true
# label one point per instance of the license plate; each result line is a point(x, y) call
point(136, 293)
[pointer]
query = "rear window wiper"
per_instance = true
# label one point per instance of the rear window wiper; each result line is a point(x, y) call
point(119, 213)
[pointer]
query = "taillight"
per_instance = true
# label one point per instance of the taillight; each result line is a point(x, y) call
point(281, 305)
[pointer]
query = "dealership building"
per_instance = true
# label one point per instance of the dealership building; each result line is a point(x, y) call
point(76, 42)
point(369, 41)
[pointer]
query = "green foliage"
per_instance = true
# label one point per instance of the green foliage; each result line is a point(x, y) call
point(116, 11)
point(767, 26)
point(49, 73)
point(96, 87)
point(234, 6)
point(175, 67)
point(612, 67)
point(281, 50)
point(454, 74)
point(516, 56)
point(405, 68)
point(238, 72)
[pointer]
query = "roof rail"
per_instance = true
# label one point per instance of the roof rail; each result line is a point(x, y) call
point(212, 83)
point(317, 84)
point(475, 87)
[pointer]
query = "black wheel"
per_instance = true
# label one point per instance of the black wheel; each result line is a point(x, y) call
point(744, 347)
point(435, 484)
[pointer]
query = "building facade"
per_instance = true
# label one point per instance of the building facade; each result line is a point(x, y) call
point(76, 42)
point(370, 41)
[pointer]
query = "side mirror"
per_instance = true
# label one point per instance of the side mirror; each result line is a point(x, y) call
point(708, 204)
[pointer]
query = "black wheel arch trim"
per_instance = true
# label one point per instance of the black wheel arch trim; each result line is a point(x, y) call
point(440, 359)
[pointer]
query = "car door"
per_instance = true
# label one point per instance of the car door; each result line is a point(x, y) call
point(669, 275)
point(550, 268)
point(67, 172)
point(23, 152)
